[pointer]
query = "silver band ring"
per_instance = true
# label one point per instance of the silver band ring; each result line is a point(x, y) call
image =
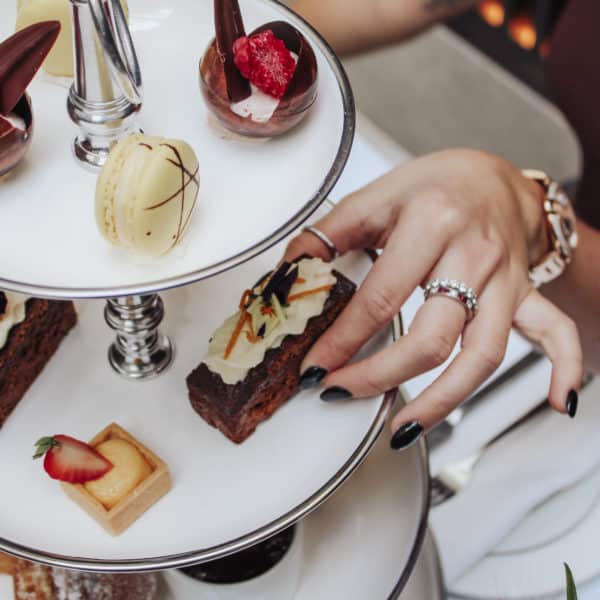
point(456, 290)
point(319, 234)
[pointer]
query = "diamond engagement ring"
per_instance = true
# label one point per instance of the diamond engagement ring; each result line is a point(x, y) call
point(325, 239)
point(450, 288)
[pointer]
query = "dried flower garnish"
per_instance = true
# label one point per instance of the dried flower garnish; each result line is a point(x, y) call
point(281, 283)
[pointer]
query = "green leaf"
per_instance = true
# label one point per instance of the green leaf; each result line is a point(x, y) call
point(43, 445)
point(571, 590)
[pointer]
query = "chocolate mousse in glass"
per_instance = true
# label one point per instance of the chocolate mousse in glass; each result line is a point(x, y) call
point(21, 55)
point(258, 103)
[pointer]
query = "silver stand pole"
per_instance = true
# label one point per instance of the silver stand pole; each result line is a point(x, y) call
point(139, 351)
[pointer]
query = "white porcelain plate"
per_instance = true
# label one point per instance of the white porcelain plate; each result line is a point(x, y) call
point(529, 562)
point(221, 491)
point(251, 194)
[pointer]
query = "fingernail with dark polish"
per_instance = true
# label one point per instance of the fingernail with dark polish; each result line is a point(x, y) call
point(312, 376)
point(407, 435)
point(335, 393)
point(572, 401)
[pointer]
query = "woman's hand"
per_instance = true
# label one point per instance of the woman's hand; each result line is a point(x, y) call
point(458, 214)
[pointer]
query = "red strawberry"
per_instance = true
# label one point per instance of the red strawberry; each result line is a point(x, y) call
point(68, 459)
point(264, 59)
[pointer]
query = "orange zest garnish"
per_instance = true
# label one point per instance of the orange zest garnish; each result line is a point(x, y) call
point(245, 298)
point(244, 316)
point(253, 339)
point(323, 288)
point(300, 280)
point(267, 310)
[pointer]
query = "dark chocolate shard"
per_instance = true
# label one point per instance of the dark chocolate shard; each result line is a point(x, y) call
point(21, 55)
point(281, 283)
point(262, 279)
point(229, 27)
point(14, 141)
point(3, 303)
point(305, 75)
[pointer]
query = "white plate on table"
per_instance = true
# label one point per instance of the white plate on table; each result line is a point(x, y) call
point(251, 194)
point(528, 563)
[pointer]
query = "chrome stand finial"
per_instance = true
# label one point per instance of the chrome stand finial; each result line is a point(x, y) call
point(106, 94)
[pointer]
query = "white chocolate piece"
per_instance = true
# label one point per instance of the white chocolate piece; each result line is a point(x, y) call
point(59, 61)
point(13, 314)
point(129, 470)
point(146, 193)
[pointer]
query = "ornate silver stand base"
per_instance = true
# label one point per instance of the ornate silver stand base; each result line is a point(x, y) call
point(140, 351)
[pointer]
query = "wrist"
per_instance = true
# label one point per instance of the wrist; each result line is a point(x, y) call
point(534, 218)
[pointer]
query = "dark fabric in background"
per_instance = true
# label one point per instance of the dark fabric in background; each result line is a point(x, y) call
point(573, 76)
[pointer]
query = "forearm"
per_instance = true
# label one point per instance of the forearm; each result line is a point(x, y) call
point(351, 26)
point(577, 293)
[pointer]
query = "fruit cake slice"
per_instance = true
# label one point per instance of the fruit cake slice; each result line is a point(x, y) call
point(253, 362)
point(38, 582)
point(31, 330)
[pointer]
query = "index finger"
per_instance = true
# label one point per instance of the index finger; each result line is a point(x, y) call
point(399, 270)
point(358, 221)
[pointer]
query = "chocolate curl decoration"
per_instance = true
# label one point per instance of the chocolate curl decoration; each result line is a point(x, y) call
point(3, 303)
point(14, 142)
point(229, 26)
point(305, 75)
point(21, 55)
point(281, 283)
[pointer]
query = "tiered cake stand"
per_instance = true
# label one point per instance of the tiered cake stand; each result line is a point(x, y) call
point(252, 197)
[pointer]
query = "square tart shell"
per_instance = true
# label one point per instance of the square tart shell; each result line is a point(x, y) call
point(138, 501)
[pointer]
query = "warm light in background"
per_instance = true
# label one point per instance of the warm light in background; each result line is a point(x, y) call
point(522, 31)
point(492, 12)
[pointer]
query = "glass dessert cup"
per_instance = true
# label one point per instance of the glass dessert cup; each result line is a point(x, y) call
point(293, 106)
point(14, 140)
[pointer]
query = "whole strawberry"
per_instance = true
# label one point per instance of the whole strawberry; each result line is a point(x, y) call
point(71, 460)
point(265, 61)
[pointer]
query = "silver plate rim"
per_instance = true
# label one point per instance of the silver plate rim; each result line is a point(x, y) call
point(341, 158)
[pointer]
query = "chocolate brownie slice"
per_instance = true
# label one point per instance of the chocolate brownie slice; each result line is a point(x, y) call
point(29, 346)
point(237, 409)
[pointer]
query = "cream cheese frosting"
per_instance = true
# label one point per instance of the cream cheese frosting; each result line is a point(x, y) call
point(312, 273)
point(13, 314)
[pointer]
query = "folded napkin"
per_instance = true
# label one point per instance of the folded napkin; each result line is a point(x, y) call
point(544, 455)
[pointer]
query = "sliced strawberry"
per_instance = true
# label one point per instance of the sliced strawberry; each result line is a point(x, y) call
point(265, 61)
point(71, 460)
